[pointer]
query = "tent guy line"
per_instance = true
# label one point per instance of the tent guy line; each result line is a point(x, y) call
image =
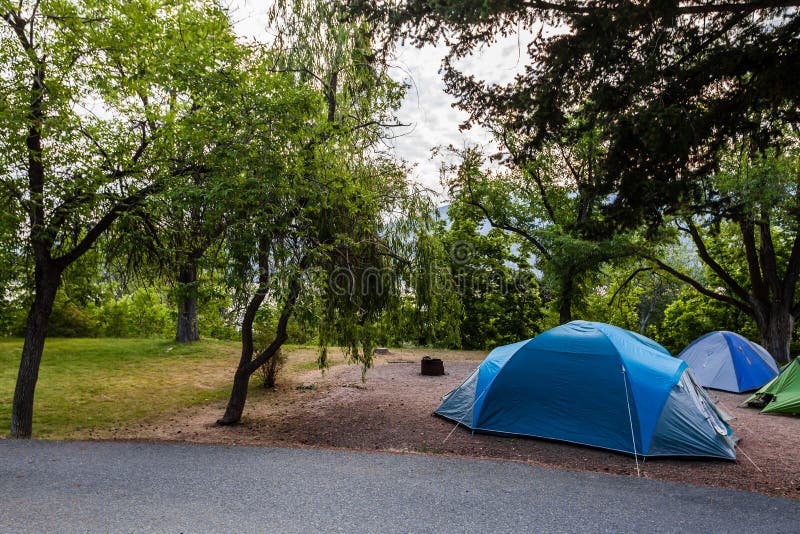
point(630, 419)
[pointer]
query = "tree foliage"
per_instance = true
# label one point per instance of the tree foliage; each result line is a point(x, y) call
point(672, 92)
point(669, 84)
point(692, 315)
point(326, 224)
point(748, 237)
point(550, 204)
point(93, 93)
point(497, 286)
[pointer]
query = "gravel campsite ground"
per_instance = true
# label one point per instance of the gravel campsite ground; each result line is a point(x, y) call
point(392, 411)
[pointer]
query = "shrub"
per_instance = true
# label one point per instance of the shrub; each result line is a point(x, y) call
point(269, 371)
point(69, 320)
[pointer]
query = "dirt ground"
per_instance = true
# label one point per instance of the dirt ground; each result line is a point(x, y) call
point(392, 411)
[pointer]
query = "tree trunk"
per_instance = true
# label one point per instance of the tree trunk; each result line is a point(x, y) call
point(238, 398)
point(187, 329)
point(565, 311)
point(47, 281)
point(248, 365)
point(565, 301)
point(775, 329)
point(241, 380)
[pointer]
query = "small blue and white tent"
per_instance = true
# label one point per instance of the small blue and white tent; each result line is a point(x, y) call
point(593, 384)
point(727, 361)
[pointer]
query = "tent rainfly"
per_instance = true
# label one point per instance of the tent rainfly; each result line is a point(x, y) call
point(592, 384)
point(727, 361)
point(782, 393)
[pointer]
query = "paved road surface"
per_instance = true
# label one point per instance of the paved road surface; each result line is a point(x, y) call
point(101, 487)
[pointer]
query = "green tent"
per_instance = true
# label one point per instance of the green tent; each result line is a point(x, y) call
point(782, 393)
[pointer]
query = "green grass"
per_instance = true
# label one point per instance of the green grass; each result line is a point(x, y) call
point(102, 383)
point(87, 384)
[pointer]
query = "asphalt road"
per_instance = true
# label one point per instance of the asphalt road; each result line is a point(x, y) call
point(135, 487)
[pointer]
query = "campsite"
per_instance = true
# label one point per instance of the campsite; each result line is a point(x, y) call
point(393, 411)
point(561, 236)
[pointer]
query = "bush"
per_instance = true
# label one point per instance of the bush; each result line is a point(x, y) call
point(146, 312)
point(266, 323)
point(269, 371)
point(692, 315)
point(13, 313)
point(69, 320)
point(141, 314)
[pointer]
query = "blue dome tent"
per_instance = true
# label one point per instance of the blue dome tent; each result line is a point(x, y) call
point(727, 361)
point(592, 384)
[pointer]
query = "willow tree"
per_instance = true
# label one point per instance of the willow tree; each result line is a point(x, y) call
point(330, 218)
point(92, 91)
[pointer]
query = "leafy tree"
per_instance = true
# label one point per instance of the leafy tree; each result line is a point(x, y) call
point(265, 203)
point(297, 183)
point(669, 84)
point(91, 91)
point(633, 296)
point(189, 216)
point(324, 225)
point(497, 287)
point(750, 242)
point(692, 315)
point(424, 307)
point(551, 203)
point(669, 88)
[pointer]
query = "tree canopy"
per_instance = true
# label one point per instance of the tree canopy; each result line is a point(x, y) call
point(327, 228)
point(668, 84)
point(669, 92)
point(93, 93)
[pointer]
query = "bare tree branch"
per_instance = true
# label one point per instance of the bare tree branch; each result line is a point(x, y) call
point(700, 288)
point(627, 281)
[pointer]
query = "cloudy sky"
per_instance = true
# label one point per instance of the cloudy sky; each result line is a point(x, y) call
point(427, 108)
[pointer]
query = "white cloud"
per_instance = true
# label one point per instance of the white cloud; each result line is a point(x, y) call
point(249, 17)
point(430, 109)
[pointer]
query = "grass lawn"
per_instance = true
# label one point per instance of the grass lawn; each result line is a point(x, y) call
point(102, 383)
